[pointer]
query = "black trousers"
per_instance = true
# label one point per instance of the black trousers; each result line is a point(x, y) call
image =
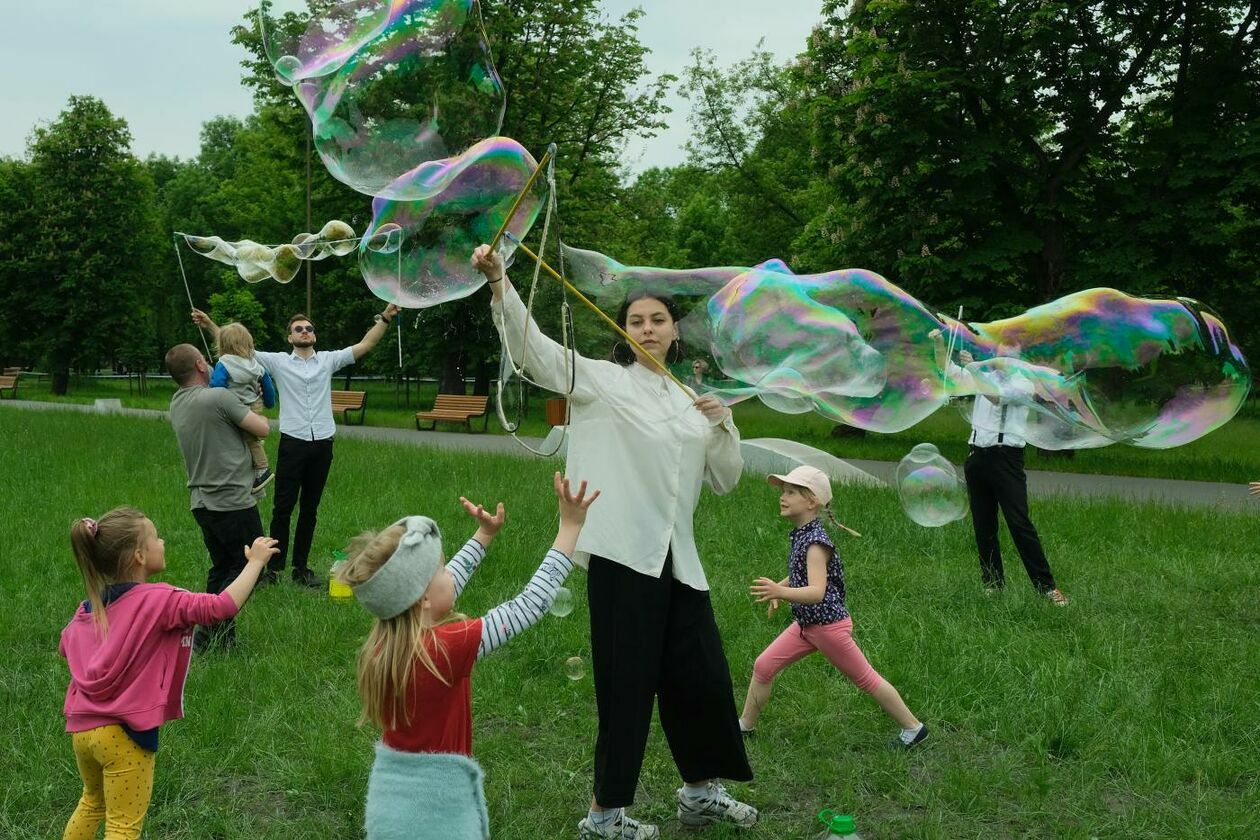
point(226, 533)
point(656, 639)
point(301, 472)
point(996, 479)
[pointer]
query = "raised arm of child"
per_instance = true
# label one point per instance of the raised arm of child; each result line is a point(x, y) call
point(764, 589)
point(513, 617)
point(468, 558)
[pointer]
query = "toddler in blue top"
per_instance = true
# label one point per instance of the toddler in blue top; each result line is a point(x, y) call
point(243, 375)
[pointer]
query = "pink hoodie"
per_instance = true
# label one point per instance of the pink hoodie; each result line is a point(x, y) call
point(135, 675)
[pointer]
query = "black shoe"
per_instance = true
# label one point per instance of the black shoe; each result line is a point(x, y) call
point(305, 577)
point(919, 738)
point(262, 480)
point(267, 578)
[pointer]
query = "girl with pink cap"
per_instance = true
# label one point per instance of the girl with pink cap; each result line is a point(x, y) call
point(815, 589)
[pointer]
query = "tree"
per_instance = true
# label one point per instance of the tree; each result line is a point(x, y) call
point(17, 250)
point(94, 244)
point(959, 137)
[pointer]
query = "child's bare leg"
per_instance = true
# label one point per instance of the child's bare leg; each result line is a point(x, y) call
point(758, 697)
point(890, 701)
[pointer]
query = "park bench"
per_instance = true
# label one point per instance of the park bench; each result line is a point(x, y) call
point(349, 401)
point(9, 383)
point(456, 408)
point(12, 371)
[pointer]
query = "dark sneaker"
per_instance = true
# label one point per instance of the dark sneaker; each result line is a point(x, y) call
point(262, 479)
point(716, 806)
point(305, 577)
point(622, 828)
point(919, 738)
point(267, 578)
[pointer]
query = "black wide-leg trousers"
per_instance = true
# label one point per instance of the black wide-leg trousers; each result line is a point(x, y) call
point(996, 479)
point(655, 639)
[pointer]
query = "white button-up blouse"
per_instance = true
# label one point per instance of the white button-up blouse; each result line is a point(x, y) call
point(636, 437)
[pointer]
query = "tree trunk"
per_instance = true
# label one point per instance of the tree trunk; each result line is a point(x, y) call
point(452, 378)
point(61, 381)
point(481, 385)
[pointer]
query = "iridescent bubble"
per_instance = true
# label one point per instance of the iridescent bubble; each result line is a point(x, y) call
point(563, 603)
point(470, 196)
point(1098, 366)
point(388, 85)
point(929, 489)
point(255, 262)
point(386, 239)
point(574, 668)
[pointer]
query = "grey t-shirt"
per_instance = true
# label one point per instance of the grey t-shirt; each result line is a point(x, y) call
point(220, 470)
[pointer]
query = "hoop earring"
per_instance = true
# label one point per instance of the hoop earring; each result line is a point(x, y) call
point(675, 354)
point(622, 354)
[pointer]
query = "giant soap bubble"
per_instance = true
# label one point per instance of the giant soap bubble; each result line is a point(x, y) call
point(929, 489)
point(388, 85)
point(468, 197)
point(1109, 367)
point(1102, 366)
point(255, 262)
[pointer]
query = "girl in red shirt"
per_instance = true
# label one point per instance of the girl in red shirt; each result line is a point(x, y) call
point(414, 670)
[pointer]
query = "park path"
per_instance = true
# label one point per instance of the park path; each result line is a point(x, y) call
point(1040, 482)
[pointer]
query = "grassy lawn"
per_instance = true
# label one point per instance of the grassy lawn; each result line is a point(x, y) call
point(1130, 714)
point(1231, 453)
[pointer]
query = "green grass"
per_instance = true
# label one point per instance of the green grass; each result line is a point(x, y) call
point(1130, 714)
point(1230, 454)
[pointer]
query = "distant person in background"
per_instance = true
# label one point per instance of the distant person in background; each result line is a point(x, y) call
point(996, 479)
point(304, 377)
point(699, 368)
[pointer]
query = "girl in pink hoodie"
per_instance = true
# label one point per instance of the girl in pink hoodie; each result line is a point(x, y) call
point(128, 647)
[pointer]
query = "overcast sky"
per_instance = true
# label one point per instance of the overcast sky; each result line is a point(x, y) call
point(167, 67)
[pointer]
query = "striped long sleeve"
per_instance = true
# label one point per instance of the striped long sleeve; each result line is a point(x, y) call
point(464, 563)
point(515, 616)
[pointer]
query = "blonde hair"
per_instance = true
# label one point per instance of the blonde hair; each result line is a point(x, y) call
point(809, 495)
point(102, 549)
point(393, 645)
point(234, 340)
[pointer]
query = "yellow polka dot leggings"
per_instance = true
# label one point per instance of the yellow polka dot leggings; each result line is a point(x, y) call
point(117, 783)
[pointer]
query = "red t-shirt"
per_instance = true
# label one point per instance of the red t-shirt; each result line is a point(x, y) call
point(440, 715)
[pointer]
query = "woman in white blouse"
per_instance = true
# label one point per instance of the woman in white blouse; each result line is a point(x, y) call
point(648, 446)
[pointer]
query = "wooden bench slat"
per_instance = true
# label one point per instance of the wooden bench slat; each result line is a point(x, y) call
point(9, 383)
point(456, 408)
point(348, 401)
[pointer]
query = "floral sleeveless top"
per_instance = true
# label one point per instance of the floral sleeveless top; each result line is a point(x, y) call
point(831, 608)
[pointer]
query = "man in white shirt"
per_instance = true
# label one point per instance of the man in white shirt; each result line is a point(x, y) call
point(996, 479)
point(304, 380)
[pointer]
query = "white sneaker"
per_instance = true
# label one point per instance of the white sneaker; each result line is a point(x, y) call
point(621, 828)
point(716, 806)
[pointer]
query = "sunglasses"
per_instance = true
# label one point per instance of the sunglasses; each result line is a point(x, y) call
point(302, 329)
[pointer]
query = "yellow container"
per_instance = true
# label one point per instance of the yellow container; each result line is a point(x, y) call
point(338, 591)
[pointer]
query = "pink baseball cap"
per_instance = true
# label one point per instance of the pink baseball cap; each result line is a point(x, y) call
point(811, 478)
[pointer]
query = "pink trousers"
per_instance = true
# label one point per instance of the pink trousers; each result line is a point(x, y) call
point(834, 641)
